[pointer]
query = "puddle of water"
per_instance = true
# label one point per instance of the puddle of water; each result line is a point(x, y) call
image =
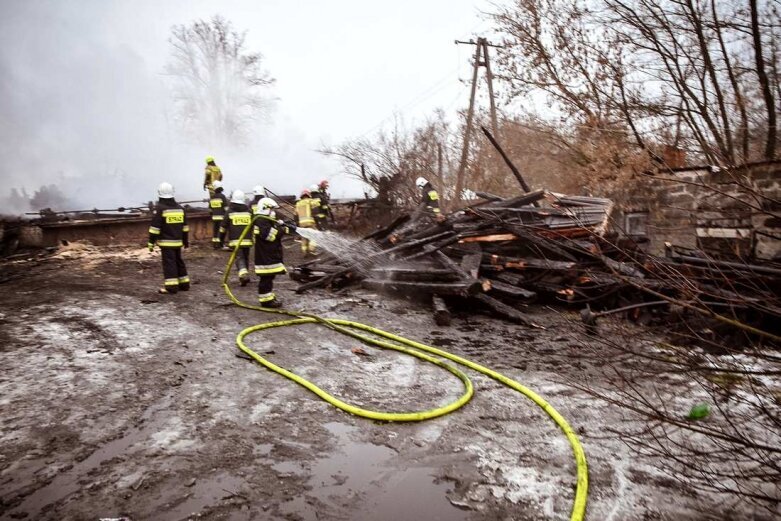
point(363, 473)
point(65, 484)
point(204, 493)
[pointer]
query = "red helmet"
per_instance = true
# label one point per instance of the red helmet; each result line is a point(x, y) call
point(324, 183)
point(306, 192)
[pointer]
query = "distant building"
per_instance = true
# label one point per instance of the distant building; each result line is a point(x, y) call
point(728, 214)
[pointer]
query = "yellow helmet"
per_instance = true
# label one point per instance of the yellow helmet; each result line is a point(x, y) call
point(209, 159)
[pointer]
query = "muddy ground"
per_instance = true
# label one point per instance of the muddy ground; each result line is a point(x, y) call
point(119, 402)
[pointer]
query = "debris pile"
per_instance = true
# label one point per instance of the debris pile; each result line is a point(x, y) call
point(502, 254)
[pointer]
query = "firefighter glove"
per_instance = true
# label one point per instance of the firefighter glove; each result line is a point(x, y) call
point(151, 246)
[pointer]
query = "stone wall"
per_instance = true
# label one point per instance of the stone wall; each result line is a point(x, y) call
point(722, 212)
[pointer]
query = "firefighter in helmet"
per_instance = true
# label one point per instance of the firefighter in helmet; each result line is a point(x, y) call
point(259, 192)
point(237, 218)
point(325, 202)
point(268, 232)
point(217, 205)
point(306, 209)
point(211, 174)
point(319, 214)
point(170, 232)
point(430, 199)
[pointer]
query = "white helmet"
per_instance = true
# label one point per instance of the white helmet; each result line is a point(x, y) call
point(314, 188)
point(217, 184)
point(421, 182)
point(266, 206)
point(165, 191)
point(259, 190)
point(238, 197)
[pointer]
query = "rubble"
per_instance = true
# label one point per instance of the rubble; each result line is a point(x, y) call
point(500, 255)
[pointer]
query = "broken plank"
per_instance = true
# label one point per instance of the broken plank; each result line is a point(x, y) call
point(471, 263)
point(411, 273)
point(490, 238)
point(508, 290)
point(460, 288)
point(505, 311)
point(441, 313)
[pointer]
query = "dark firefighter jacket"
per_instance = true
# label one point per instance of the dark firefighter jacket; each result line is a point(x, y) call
point(169, 227)
point(325, 203)
point(268, 245)
point(253, 205)
point(237, 218)
point(217, 204)
point(320, 206)
point(431, 199)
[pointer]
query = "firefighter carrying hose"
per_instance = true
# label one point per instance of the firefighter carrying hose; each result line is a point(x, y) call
point(169, 230)
point(211, 174)
point(268, 232)
point(306, 208)
point(217, 205)
point(236, 219)
point(430, 199)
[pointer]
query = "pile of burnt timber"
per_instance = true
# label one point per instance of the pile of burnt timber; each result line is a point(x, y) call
point(499, 255)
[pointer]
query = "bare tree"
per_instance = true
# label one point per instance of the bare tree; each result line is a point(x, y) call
point(390, 161)
point(219, 87)
point(700, 76)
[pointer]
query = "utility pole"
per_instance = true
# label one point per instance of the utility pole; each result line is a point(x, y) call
point(480, 60)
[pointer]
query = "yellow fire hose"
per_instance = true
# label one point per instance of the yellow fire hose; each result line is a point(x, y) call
point(416, 349)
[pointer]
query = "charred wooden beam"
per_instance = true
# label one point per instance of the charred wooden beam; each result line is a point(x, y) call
point(508, 290)
point(471, 264)
point(522, 263)
point(413, 274)
point(505, 311)
point(441, 313)
point(509, 163)
point(458, 288)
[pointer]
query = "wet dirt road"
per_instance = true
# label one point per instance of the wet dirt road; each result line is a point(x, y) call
point(119, 402)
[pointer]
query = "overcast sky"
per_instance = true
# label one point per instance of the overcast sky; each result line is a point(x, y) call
point(84, 103)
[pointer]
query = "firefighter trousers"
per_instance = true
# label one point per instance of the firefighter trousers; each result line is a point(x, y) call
point(174, 270)
point(266, 288)
point(242, 262)
point(217, 237)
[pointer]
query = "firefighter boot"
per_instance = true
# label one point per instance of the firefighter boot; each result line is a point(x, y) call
point(273, 303)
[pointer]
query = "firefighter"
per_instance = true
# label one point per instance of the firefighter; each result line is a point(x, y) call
point(430, 200)
point(259, 193)
point(325, 201)
point(317, 206)
point(268, 232)
point(237, 218)
point(169, 230)
point(217, 205)
point(211, 174)
point(306, 208)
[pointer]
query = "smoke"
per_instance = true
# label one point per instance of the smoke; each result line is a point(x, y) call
point(85, 107)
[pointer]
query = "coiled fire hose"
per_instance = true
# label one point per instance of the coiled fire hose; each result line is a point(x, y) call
point(390, 341)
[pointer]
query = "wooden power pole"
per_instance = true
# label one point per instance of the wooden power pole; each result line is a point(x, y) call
point(480, 60)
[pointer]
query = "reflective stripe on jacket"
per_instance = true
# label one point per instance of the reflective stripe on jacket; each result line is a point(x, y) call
point(217, 205)
point(268, 246)
point(431, 198)
point(237, 218)
point(169, 228)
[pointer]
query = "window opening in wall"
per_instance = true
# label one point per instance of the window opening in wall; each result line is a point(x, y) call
point(636, 224)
